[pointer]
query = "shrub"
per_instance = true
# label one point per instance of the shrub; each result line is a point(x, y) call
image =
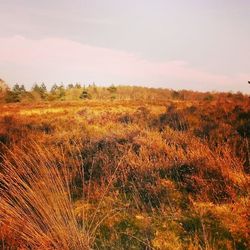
point(12, 96)
point(85, 95)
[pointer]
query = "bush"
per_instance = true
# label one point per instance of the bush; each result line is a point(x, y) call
point(12, 97)
point(85, 95)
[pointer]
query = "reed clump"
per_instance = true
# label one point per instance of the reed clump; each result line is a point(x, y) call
point(36, 202)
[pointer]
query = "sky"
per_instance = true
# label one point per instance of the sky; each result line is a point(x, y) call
point(201, 45)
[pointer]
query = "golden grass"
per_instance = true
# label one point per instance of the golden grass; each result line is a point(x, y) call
point(36, 199)
point(125, 175)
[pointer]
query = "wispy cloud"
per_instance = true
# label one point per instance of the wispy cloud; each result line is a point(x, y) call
point(55, 59)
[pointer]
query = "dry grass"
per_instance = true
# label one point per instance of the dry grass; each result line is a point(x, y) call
point(36, 201)
point(125, 175)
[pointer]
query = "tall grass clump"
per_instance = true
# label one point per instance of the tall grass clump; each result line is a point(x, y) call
point(36, 205)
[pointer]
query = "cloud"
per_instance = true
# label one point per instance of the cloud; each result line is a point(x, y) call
point(56, 59)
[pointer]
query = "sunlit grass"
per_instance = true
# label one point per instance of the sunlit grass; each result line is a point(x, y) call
point(124, 175)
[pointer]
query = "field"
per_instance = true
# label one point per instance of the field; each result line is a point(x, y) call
point(126, 173)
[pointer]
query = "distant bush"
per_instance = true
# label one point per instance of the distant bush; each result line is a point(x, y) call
point(41, 90)
point(12, 96)
point(85, 95)
point(57, 93)
point(16, 94)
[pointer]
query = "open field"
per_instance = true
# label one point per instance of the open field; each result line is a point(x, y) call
point(143, 173)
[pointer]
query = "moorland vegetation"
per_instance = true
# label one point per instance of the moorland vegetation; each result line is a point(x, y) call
point(123, 168)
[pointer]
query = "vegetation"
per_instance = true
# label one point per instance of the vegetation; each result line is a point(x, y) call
point(148, 169)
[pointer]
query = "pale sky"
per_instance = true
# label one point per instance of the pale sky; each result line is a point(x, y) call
point(195, 44)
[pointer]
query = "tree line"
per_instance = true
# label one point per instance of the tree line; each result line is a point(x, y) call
point(40, 92)
point(60, 92)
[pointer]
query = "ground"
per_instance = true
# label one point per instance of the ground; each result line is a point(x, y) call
point(125, 174)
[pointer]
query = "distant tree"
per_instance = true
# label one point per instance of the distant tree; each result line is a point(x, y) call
point(43, 87)
point(41, 90)
point(61, 92)
point(70, 86)
point(18, 89)
point(57, 92)
point(54, 88)
point(16, 94)
point(22, 88)
point(78, 86)
point(36, 87)
point(15, 88)
point(12, 96)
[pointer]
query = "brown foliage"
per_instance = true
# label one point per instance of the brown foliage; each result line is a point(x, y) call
point(121, 174)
